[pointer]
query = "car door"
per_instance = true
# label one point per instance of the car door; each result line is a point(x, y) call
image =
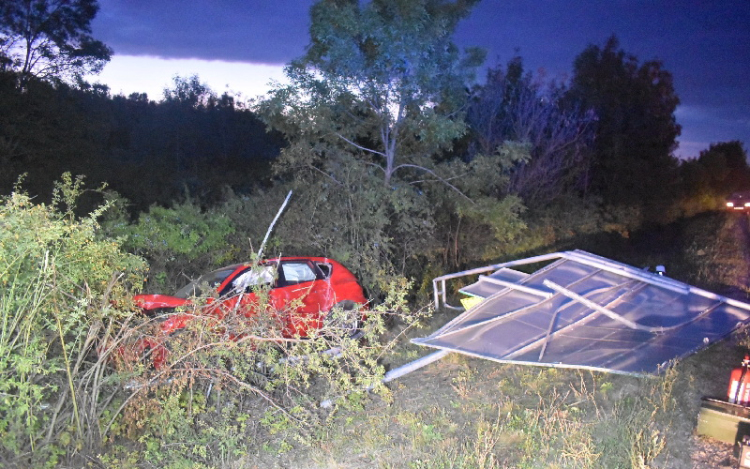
point(244, 295)
point(306, 295)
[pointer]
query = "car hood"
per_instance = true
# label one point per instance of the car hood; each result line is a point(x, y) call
point(152, 302)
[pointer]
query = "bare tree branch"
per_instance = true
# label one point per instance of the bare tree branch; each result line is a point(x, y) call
point(439, 178)
point(365, 149)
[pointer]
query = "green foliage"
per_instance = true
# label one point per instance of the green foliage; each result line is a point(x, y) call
point(251, 215)
point(573, 222)
point(372, 109)
point(713, 252)
point(61, 287)
point(382, 80)
point(226, 386)
point(486, 223)
point(355, 220)
point(180, 240)
point(513, 105)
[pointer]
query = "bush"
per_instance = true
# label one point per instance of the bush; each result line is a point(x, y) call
point(178, 242)
point(64, 294)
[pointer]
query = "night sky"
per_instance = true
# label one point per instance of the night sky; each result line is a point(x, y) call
point(704, 44)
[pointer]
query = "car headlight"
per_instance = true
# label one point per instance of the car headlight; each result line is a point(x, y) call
point(730, 204)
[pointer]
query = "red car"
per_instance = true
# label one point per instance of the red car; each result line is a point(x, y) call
point(302, 292)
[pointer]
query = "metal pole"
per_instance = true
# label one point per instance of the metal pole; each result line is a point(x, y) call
point(275, 219)
point(402, 370)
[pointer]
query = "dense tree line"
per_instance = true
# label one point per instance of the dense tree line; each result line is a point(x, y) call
point(192, 142)
point(383, 123)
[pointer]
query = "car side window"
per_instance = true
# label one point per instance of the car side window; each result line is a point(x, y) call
point(210, 280)
point(326, 268)
point(259, 276)
point(297, 272)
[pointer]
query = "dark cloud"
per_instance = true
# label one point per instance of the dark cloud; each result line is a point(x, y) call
point(257, 31)
point(705, 45)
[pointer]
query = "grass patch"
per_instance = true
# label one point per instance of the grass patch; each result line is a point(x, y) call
point(512, 416)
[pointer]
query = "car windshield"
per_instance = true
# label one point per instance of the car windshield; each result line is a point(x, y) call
point(210, 280)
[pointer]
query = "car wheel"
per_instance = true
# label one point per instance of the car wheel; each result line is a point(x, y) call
point(344, 320)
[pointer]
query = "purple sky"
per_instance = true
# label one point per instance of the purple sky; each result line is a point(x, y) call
point(705, 44)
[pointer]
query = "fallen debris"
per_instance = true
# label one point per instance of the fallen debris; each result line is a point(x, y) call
point(583, 311)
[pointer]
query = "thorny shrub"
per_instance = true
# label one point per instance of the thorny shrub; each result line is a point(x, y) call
point(225, 376)
point(64, 296)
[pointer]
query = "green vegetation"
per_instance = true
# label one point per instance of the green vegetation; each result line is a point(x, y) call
point(63, 304)
point(402, 168)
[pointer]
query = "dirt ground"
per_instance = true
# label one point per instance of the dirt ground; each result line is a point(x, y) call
point(711, 454)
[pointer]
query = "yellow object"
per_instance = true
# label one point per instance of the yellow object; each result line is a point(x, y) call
point(470, 301)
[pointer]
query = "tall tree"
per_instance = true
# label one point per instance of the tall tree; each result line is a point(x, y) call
point(383, 77)
point(377, 98)
point(636, 131)
point(513, 105)
point(50, 39)
point(190, 92)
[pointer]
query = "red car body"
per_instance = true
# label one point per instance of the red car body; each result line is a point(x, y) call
point(301, 293)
